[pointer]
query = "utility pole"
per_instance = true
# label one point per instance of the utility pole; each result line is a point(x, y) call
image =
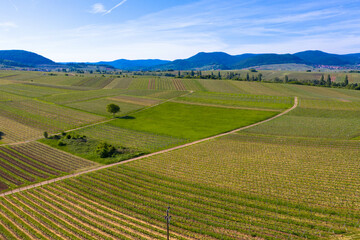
point(168, 218)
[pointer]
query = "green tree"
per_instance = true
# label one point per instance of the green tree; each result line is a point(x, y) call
point(346, 82)
point(328, 80)
point(286, 79)
point(105, 150)
point(113, 108)
point(322, 81)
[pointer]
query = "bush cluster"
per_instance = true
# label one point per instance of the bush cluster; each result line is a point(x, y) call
point(105, 150)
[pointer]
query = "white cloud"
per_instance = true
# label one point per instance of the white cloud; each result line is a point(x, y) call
point(182, 31)
point(118, 5)
point(7, 25)
point(98, 8)
point(12, 3)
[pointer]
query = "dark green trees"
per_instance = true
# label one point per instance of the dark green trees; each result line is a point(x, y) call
point(113, 108)
point(328, 80)
point(105, 150)
point(346, 82)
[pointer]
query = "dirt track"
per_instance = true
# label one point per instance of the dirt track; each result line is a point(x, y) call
point(149, 155)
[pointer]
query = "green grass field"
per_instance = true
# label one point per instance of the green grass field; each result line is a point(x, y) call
point(190, 121)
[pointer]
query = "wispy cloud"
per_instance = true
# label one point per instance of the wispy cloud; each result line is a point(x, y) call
point(7, 25)
point(100, 8)
point(178, 32)
point(12, 3)
point(118, 5)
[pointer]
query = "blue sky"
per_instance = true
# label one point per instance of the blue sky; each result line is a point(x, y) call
point(95, 30)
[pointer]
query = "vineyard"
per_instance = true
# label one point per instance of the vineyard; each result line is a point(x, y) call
point(42, 116)
point(317, 118)
point(296, 176)
point(33, 162)
point(98, 106)
point(283, 199)
point(130, 138)
point(239, 100)
point(136, 100)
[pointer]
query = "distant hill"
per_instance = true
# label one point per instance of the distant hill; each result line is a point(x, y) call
point(268, 59)
point(200, 61)
point(132, 65)
point(322, 58)
point(203, 61)
point(220, 60)
point(23, 58)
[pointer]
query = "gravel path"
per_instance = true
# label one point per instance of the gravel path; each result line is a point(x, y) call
point(149, 155)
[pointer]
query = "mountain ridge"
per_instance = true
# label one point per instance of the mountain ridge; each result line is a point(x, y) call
point(23, 58)
point(200, 61)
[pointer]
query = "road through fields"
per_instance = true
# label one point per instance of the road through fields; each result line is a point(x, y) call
point(296, 101)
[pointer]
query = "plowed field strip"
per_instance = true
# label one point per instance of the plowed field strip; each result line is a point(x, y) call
point(16, 171)
point(32, 163)
point(22, 166)
point(10, 178)
point(51, 164)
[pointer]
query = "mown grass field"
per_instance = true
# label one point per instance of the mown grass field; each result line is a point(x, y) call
point(190, 121)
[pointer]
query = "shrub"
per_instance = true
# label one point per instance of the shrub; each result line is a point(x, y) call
point(105, 150)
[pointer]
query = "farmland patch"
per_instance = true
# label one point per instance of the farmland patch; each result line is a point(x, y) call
point(190, 121)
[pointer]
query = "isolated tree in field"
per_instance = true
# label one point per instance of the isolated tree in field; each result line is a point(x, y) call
point(113, 108)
